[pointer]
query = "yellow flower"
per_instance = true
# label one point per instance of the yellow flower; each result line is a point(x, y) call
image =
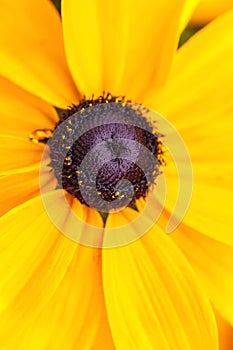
point(154, 293)
point(207, 10)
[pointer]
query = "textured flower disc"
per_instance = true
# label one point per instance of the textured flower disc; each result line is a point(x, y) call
point(125, 152)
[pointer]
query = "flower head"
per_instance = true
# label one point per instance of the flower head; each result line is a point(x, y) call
point(148, 290)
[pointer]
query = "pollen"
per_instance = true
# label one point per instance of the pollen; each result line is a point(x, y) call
point(40, 135)
point(118, 146)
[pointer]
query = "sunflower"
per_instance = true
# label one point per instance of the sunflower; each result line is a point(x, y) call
point(160, 291)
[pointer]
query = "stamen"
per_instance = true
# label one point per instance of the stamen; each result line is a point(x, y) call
point(86, 103)
point(41, 135)
point(130, 150)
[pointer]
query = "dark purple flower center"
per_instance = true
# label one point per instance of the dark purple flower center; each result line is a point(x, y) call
point(128, 151)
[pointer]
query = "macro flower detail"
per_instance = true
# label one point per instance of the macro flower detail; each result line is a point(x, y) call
point(207, 10)
point(64, 284)
point(114, 160)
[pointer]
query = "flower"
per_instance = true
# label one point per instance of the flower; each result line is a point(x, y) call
point(157, 291)
point(207, 10)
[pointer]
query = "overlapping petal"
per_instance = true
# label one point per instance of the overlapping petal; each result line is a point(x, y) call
point(188, 10)
point(37, 60)
point(153, 300)
point(20, 187)
point(125, 49)
point(225, 333)
point(213, 262)
point(207, 10)
point(18, 155)
point(199, 87)
point(22, 113)
point(47, 283)
point(198, 101)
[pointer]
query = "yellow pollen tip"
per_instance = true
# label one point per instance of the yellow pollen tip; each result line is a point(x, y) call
point(40, 135)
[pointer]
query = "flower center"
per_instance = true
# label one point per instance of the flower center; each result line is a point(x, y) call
point(105, 152)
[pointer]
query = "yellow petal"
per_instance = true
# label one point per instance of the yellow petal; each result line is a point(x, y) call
point(125, 49)
point(91, 235)
point(22, 112)
point(210, 209)
point(17, 188)
point(207, 10)
point(20, 187)
point(188, 10)
point(200, 84)
point(127, 229)
point(104, 336)
point(18, 154)
point(225, 333)
point(213, 263)
point(153, 300)
point(51, 291)
point(210, 212)
point(32, 51)
point(27, 236)
point(198, 100)
point(128, 225)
